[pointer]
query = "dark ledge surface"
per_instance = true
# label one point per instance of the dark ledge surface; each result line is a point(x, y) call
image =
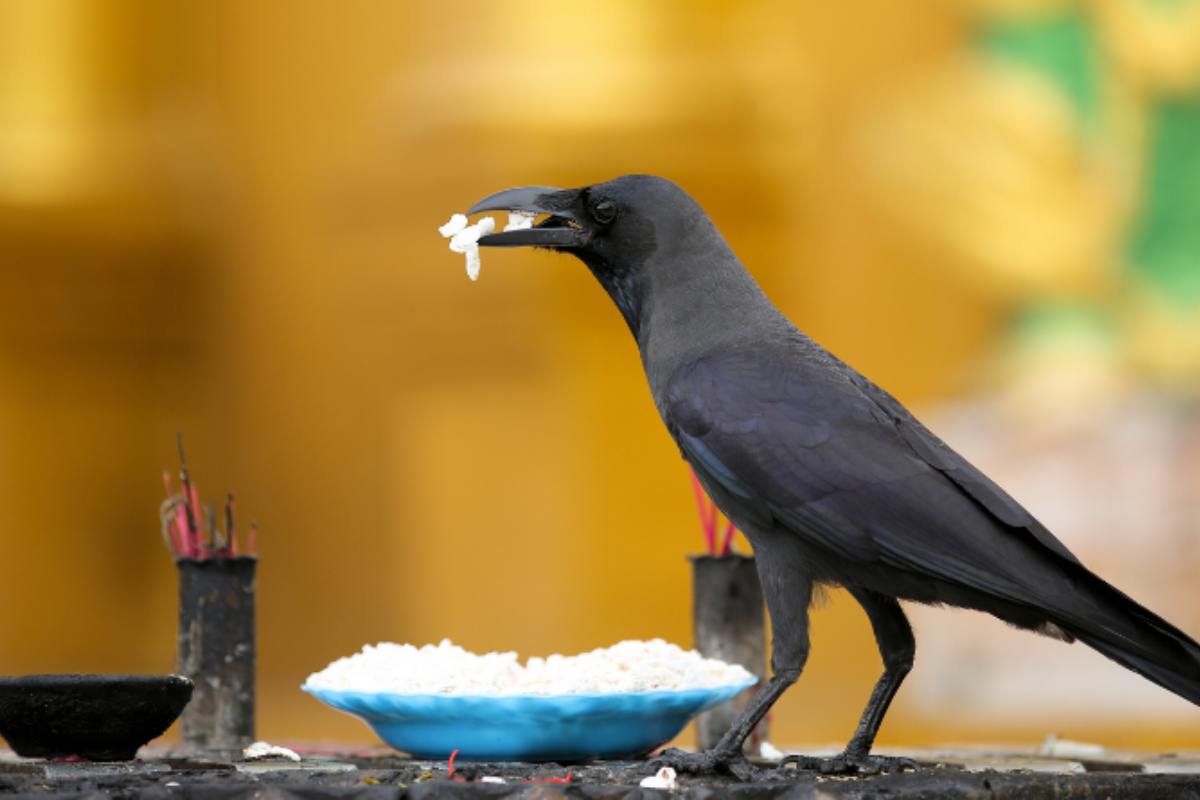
point(373, 776)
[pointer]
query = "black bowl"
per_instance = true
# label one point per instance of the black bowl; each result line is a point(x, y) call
point(98, 717)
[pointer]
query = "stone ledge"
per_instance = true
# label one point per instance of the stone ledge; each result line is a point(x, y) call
point(954, 773)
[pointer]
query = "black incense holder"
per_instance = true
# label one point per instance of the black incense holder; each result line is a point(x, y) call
point(97, 717)
point(728, 623)
point(217, 651)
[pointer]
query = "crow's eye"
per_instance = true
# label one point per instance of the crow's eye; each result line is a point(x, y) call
point(604, 211)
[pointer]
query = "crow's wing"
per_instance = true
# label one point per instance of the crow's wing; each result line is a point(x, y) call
point(806, 443)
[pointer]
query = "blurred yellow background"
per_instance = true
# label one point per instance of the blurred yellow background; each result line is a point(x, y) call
point(221, 218)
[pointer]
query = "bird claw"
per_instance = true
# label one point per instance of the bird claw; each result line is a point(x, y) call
point(706, 762)
point(850, 764)
point(684, 762)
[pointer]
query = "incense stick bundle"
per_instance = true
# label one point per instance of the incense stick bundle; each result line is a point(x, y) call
point(190, 529)
point(709, 517)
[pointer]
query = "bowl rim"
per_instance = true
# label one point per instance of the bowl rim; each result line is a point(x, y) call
point(49, 679)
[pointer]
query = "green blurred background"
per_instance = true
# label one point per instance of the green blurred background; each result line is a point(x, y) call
point(220, 218)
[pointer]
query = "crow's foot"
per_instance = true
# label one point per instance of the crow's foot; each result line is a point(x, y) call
point(850, 764)
point(706, 762)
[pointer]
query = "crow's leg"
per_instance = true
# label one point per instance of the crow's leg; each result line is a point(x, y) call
point(788, 597)
point(894, 636)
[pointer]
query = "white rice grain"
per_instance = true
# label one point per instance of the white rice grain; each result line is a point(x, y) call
point(663, 779)
point(519, 221)
point(466, 241)
point(260, 750)
point(456, 223)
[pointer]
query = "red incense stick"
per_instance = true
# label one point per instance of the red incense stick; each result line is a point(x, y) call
point(230, 533)
point(197, 535)
point(730, 530)
point(708, 522)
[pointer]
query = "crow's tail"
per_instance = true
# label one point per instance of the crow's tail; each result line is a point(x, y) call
point(1113, 624)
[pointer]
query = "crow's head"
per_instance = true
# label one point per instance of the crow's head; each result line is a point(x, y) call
point(631, 232)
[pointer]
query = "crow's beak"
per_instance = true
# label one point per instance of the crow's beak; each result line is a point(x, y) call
point(558, 230)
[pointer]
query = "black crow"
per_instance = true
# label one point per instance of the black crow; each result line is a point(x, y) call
point(832, 480)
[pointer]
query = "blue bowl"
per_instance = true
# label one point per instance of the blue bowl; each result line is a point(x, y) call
point(560, 728)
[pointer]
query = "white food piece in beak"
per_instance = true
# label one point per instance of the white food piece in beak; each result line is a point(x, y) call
point(466, 241)
point(520, 220)
point(456, 224)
